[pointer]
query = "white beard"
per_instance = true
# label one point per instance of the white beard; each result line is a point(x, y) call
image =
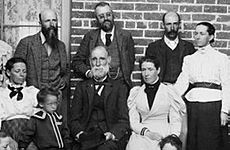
point(100, 72)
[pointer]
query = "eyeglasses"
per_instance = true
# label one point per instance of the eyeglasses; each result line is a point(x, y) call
point(105, 15)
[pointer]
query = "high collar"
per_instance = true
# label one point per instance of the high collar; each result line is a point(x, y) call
point(205, 49)
point(15, 85)
point(43, 39)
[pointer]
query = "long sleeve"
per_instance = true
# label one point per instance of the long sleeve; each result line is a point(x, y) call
point(76, 111)
point(225, 83)
point(176, 112)
point(182, 82)
point(80, 62)
point(21, 49)
point(134, 116)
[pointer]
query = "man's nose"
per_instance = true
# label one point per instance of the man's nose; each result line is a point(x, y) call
point(98, 63)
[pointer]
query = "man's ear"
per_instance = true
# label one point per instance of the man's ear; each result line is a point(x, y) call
point(158, 70)
point(41, 105)
point(109, 59)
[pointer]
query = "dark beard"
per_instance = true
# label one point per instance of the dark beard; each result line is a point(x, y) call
point(107, 25)
point(51, 35)
point(174, 33)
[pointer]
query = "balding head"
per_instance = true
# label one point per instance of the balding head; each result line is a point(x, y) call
point(47, 13)
point(171, 15)
point(171, 24)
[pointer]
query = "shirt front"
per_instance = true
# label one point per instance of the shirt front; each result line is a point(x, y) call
point(206, 65)
point(103, 33)
point(172, 44)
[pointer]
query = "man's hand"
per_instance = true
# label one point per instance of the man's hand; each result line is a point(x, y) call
point(224, 118)
point(153, 135)
point(109, 136)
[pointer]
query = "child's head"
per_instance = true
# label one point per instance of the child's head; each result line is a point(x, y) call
point(4, 141)
point(48, 99)
point(171, 142)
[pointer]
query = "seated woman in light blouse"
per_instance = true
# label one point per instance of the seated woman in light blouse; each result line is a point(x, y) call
point(155, 110)
point(18, 101)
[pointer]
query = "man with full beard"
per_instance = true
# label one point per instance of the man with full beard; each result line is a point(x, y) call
point(118, 42)
point(46, 57)
point(171, 49)
point(99, 113)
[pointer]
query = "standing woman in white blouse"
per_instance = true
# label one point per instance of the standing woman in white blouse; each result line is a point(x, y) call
point(205, 82)
point(17, 101)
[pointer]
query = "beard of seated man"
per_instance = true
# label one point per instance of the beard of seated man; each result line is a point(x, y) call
point(99, 72)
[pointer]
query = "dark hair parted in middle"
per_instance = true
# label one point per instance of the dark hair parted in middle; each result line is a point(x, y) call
point(151, 59)
point(173, 140)
point(211, 29)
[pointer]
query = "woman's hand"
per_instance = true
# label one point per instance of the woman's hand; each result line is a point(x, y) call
point(153, 135)
point(224, 118)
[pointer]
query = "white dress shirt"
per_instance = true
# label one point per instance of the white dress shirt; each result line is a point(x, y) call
point(206, 65)
point(171, 44)
point(103, 33)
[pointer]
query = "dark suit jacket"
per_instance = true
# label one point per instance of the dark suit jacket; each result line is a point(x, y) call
point(125, 43)
point(158, 49)
point(115, 104)
point(29, 48)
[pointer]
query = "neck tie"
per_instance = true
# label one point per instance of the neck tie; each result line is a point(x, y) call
point(108, 40)
point(15, 91)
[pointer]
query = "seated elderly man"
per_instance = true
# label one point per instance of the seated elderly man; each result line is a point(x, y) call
point(99, 114)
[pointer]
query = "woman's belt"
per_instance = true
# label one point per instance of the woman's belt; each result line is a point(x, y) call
point(208, 85)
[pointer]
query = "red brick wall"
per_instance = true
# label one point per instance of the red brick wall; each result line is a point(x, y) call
point(143, 19)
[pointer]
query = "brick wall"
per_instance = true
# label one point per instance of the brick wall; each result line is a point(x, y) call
point(143, 19)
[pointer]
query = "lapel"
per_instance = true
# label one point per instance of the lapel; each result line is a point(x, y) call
point(93, 38)
point(181, 47)
point(107, 90)
point(63, 56)
point(119, 38)
point(36, 50)
point(90, 92)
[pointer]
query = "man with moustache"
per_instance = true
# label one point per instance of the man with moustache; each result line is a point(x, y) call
point(99, 114)
point(46, 57)
point(118, 42)
point(171, 49)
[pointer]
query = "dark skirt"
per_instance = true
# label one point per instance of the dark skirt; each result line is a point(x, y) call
point(14, 127)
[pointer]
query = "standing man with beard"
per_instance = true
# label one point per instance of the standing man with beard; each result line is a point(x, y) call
point(171, 49)
point(46, 57)
point(119, 43)
point(99, 114)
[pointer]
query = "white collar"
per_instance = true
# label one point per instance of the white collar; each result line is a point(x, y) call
point(205, 49)
point(167, 40)
point(15, 85)
point(43, 39)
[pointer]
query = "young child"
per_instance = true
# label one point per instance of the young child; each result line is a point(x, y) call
point(46, 128)
point(171, 142)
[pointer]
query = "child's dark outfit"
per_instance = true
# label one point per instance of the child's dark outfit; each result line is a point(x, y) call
point(47, 131)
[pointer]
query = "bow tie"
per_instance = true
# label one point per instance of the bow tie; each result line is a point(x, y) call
point(15, 91)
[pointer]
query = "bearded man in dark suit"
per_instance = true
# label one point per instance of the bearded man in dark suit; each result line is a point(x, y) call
point(99, 114)
point(119, 43)
point(46, 57)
